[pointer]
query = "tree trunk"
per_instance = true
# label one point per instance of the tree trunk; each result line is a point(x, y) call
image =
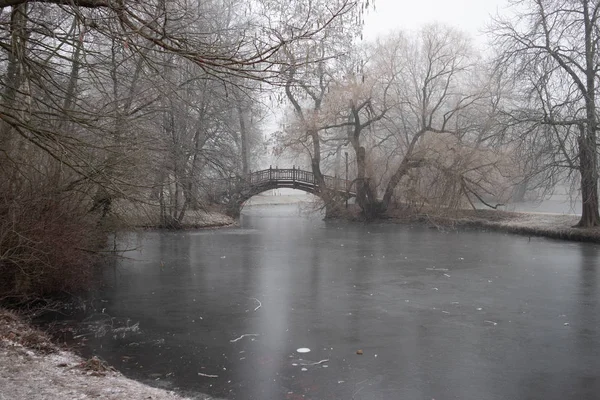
point(362, 197)
point(190, 191)
point(392, 184)
point(75, 67)
point(315, 161)
point(588, 169)
point(243, 138)
point(14, 71)
point(402, 170)
point(588, 157)
point(365, 195)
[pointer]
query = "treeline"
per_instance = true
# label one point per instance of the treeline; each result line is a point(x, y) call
point(431, 124)
point(116, 107)
point(109, 107)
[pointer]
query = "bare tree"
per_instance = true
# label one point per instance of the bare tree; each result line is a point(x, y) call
point(420, 110)
point(310, 67)
point(433, 89)
point(355, 104)
point(551, 51)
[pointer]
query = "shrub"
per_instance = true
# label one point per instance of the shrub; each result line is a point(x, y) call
point(48, 238)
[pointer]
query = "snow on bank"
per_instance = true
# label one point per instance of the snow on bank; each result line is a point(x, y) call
point(148, 215)
point(31, 368)
point(25, 375)
point(557, 226)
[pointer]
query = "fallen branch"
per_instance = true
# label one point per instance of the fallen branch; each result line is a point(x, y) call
point(316, 363)
point(243, 336)
point(207, 375)
point(258, 301)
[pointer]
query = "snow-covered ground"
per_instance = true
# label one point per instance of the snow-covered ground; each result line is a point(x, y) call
point(553, 225)
point(27, 375)
point(32, 368)
point(560, 203)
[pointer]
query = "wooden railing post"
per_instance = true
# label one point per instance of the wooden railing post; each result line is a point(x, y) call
point(294, 175)
point(270, 172)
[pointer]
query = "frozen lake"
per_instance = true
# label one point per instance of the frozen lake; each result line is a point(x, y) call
point(437, 315)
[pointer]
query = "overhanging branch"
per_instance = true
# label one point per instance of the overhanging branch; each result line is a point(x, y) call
point(80, 3)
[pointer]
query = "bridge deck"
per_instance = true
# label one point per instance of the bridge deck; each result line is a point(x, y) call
point(297, 178)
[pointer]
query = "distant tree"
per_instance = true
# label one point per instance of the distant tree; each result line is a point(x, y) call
point(550, 50)
point(437, 85)
point(310, 67)
point(422, 110)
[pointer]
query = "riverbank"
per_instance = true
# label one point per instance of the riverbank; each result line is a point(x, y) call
point(33, 367)
point(551, 225)
point(147, 216)
point(555, 226)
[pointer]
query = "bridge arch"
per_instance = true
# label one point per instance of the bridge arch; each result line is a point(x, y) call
point(285, 196)
point(290, 178)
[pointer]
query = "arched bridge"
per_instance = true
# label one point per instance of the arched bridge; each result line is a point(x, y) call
point(242, 188)
point(294, 178)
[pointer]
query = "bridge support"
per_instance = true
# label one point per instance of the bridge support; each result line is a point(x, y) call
point(334, 194)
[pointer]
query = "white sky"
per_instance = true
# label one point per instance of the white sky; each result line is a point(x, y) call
point(469, 15)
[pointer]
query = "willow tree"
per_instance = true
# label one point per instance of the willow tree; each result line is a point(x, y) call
point(550, 49)
point(418, 113)
point(434, 87)
point(310, 68)
point(355, 105)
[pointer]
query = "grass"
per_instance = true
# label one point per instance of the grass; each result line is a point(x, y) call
point(557, 226)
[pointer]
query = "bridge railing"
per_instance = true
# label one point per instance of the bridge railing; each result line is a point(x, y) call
point(297, 175)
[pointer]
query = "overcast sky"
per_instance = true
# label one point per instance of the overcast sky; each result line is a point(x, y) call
point(469, 15)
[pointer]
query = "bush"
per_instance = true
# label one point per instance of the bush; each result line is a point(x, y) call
point(48, 238)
